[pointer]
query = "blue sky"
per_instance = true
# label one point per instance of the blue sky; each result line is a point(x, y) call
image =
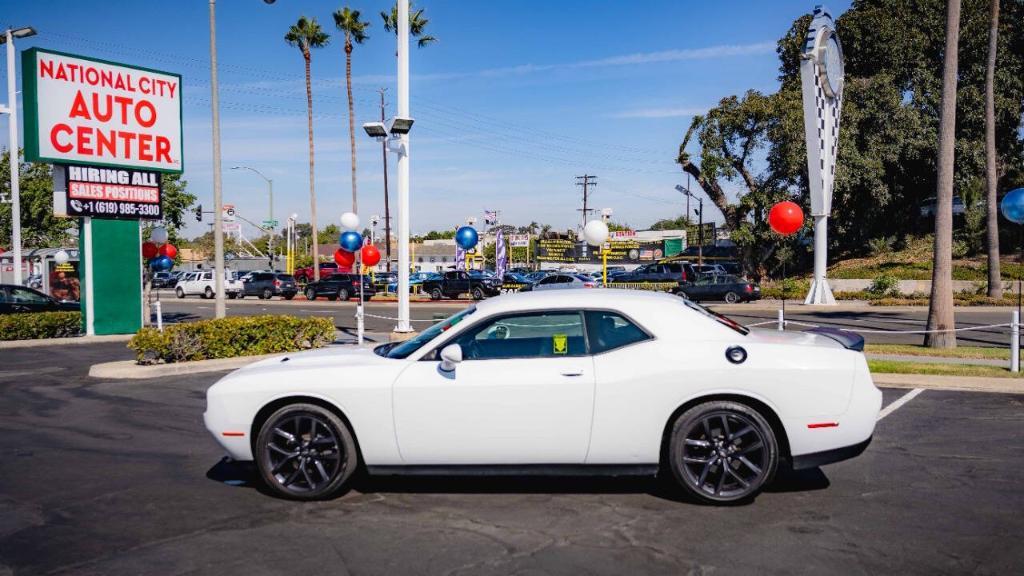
point(514, 101)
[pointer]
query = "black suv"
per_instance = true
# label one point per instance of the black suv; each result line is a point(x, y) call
point(266, 285)
point(340, 287)
point(660, 272)
point(456, 282)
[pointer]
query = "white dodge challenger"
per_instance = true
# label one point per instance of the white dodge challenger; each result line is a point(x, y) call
point(562, 382)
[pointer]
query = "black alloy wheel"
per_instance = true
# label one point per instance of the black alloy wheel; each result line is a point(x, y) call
point(305, 452)
point(723, 452)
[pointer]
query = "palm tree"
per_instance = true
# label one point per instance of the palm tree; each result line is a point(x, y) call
point(306, 34)
point(417, 23)
point(347, 20)
point(995, 282)
point(940, 309)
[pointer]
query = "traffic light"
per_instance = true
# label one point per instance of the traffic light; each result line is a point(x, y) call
point(199, 213)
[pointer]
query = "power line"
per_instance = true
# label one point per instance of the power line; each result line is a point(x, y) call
point(586, 181)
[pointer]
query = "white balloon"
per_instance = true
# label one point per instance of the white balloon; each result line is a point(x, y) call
point(349, 221)
point(158, 235)
point(61, 257)
point(595, 232)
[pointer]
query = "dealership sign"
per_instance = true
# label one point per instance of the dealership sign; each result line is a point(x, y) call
point(109, 192)
point(80, 110)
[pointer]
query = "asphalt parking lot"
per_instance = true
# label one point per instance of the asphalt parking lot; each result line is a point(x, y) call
point(121, 478)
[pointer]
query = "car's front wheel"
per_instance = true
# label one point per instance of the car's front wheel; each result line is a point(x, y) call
point(208, 293)
point(478, 294)
point(179, 292)
point(723, 452)
point(305, 452)
point(310, 294)
point(436, 294)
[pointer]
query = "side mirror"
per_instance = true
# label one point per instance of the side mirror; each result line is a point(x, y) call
point(450, 356)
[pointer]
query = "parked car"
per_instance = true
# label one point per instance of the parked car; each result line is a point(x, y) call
point(558, 382)
point(266, 285)
point(563, 281)
point(660, 272)
point(539, 274)
point(305, 274)
point(515, 278)
point(340, 287)
point(17, 299)
point(456, 282)
point(164, 279)
point(729, 288)
point(415, 279)
point(202, 284)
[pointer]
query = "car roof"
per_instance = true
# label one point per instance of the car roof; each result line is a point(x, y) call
point(613, 298)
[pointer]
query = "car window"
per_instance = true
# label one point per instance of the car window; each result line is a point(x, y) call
point(565, 279)
point(25, 296)
point(406, 348)
point(532, 335)
point(285, 277)
point(208, 276)
point(548, 280)
point(609, 330)
point(3, 295)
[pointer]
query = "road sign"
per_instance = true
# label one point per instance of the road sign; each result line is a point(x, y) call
point(270, 223)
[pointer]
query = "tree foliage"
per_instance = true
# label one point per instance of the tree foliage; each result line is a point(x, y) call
point(39, 227)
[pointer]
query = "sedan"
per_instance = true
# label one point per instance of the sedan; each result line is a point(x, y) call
point(560, 382)
point(562, 281)
point(728, 288)
point(14, 299)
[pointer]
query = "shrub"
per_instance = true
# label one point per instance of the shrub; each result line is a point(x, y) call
point(881, 246)
point(40, 325)
point(230, 337)
point(884, 285)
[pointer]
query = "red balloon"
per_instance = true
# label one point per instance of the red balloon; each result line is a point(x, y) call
point(371, 256)
point(786, 218)
point(148, 250)
point(344, 258)
point(168, 250)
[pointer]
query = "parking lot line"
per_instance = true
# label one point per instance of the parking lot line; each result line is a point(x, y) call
point(899, 402)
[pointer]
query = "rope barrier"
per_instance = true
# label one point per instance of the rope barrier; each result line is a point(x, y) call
point(866, 331)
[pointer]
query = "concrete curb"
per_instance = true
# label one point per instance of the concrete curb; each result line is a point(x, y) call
point(129, 370)
point(70, 341)
point(953, 383)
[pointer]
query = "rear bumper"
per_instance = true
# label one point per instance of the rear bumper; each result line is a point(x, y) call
point(816, 459)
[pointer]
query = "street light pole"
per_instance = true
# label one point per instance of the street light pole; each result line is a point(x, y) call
point(270, 218)
point(220, 309)
point(404, 325)
point(12, 115)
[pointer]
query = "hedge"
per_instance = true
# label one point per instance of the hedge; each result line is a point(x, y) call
point(40, 325)
point(230, 337)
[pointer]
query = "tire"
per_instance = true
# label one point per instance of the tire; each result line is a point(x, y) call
point(232, 295)
point(310, 294)
point(436, 294)
point(179, 292)
point(241, 295)
point(731, 298)
point(208, 293)
point(289, 296)
point(267, 294)
point(305, 452)
point(478, 294)
point(343, 295)
point(708, 433)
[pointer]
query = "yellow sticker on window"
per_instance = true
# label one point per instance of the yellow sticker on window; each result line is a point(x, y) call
point(561, 343)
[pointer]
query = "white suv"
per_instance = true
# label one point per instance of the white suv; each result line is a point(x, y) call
point(201, 283)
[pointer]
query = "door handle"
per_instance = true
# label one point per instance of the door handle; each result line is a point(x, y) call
point(573, 373)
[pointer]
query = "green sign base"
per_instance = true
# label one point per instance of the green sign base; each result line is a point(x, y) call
point(116, 254)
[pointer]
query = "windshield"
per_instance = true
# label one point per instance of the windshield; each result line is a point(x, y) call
point(404, 349)
point(725, 321)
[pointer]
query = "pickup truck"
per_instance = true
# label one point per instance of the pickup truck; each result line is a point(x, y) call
point(456, 282)
point(202, 284)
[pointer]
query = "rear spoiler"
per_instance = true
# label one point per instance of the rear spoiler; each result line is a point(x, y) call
point(849, 340)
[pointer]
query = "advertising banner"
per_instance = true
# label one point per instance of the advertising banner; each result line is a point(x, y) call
point(109, 192)
point(556, 250)
point(63, 280)
point(518, 240)
point(81, 110)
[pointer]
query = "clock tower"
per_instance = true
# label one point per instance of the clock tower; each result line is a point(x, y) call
point(821, 78)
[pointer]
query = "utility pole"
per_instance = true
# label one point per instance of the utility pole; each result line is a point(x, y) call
point(387, 209)
point(12, 111)
point(586, 181)
point(404, 325)
point(220, 310)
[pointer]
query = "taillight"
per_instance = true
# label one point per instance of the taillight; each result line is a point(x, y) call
point(748, 288)
point(277, 283)
point(355, 282)
point(589, 285)
point(684, 274)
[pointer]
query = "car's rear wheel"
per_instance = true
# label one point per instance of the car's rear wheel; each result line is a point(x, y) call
point(343, 294)
point(179, 292)
point(436, 294)
point(723, 452)
point(731, 298)
point(305, 452)
point(267, 294)
point(310, 294)
point(208, 293)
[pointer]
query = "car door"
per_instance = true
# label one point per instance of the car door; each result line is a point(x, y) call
point(523, 394)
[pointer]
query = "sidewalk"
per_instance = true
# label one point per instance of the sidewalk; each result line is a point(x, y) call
point(954, 383)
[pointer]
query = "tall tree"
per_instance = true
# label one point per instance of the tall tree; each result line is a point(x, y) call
point(306, 34)
point(940, 309)
point(347, 20)
point(417, 24)
point(995, 283)
point(39, 227)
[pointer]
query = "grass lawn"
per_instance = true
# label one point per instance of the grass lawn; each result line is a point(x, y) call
point(958, 352)
point(895, 367)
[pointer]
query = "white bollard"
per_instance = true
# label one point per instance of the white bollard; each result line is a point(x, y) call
point(159, 316)
point(782, 320)
point(359, 323)
point(1015, 342)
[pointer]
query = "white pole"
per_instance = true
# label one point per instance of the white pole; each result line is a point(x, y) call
point(159, 316)
point(218, 204)
point(782, 320)
point(90, 299)
point(12, 126)
point(404, 325)
point(1015, 342)
point(820, 292)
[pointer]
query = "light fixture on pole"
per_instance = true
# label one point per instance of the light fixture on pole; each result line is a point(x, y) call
point(270, 225)
point(374, 220)
point(12, 112)
point(700, 224)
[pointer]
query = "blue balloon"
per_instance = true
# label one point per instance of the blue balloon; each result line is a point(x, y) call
point(466, 237)
point(161, 263)
point(1012, 206)
point(350, 241)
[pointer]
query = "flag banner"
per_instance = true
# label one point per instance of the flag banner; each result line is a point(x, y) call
point(460, 258)
point(500, 256)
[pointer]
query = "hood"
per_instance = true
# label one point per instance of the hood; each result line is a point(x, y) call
point(330, 357)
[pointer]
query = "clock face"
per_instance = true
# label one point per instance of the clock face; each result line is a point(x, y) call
point(831, 62)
